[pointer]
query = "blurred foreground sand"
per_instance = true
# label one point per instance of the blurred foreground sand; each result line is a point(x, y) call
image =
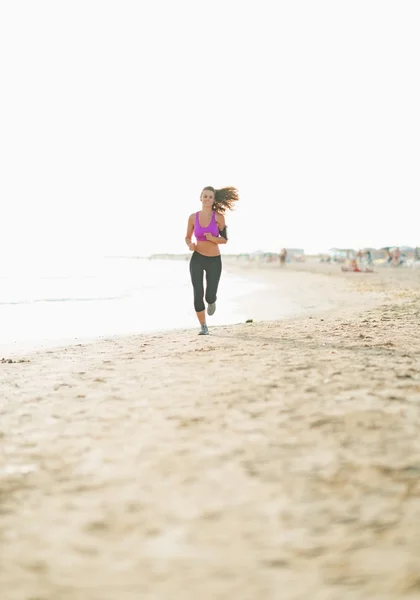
point(276, 460)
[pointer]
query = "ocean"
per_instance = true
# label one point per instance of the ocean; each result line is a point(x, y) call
point(50, 301)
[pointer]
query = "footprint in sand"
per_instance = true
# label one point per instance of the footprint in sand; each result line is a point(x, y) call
point(61, 385)
point(192, 421)
point(205, 349)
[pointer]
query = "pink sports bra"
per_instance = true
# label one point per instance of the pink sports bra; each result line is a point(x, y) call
point(200, 231)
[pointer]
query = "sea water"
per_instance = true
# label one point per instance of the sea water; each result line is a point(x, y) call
point(52, 300)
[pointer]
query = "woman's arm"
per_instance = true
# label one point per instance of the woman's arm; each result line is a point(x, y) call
point(188, 237)
point(220, 220)
point(215, 240)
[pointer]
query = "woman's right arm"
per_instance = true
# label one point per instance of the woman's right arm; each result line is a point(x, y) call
point(188, 237)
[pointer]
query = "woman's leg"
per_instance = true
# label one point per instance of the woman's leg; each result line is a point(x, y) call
point(197, 272)
point(213, 273)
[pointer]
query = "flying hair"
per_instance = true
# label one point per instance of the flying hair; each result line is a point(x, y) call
point(224, 199)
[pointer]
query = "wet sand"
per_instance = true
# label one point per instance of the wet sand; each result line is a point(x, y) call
point(268, 460)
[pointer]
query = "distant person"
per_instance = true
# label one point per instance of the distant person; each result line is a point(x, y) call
point(209, 228)
point(396, 257)
point(283, 256)
point(354, 268)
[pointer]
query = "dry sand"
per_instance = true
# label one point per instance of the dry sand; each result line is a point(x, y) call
point(268, 461)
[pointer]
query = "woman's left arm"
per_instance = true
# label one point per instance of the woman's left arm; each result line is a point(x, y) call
point(215, 240)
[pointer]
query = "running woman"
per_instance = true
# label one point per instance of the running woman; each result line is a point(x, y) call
point(209, 228)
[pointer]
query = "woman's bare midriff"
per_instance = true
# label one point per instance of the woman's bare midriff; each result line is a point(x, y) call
point(208, 248)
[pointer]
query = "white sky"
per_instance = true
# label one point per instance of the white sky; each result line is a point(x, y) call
point(115, 114)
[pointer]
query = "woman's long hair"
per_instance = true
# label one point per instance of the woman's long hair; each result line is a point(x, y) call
point(224, 198)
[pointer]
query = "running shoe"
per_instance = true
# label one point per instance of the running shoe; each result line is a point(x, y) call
point(211, 309)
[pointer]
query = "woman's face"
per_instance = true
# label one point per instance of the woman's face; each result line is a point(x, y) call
point(207, 198)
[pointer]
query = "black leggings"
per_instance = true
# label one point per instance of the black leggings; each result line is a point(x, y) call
point(212, 265)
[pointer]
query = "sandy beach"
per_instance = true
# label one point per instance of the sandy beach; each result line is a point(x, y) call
point(275, 460)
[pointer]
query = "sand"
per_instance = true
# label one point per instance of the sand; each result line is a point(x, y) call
point(269, 460)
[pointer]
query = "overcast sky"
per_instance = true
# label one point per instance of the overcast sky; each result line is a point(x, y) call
point(115, 114)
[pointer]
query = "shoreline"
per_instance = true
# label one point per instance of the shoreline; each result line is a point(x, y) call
point(293, 470)
point(286, 294)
